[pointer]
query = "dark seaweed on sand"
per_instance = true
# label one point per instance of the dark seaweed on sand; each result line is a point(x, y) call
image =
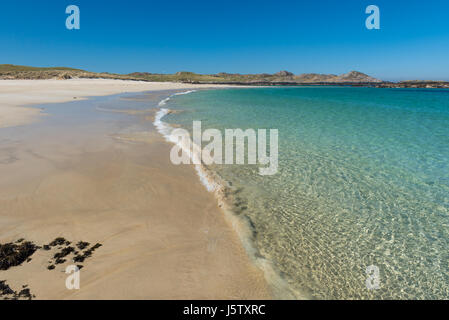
point(5, 289)
point(59, 256)
point(64, 253)
point(14, 254)
point(87, 254)
point(57, 242)
point(82, 245)
point(9, 294)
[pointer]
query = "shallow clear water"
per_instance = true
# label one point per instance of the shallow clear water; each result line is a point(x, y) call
point(363, 180)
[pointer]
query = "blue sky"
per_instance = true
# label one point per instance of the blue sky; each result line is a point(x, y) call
point(243, 36)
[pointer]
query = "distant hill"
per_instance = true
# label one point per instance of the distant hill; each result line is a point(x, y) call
point(354, 78)
point(351, 77)
point(8, 71)
point(282, 77)
point(14, 68)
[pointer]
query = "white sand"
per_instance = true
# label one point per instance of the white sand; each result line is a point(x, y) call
point(17, 95)
point(163, 235)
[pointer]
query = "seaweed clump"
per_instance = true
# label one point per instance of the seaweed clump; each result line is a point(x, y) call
point(57, 242)
point(61, 256)
point(14, 254)
point(9, 294)
point(82, 245)
point(87, 254)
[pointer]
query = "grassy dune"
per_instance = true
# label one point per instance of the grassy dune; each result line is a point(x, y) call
point(353, 78)
point(8, 71)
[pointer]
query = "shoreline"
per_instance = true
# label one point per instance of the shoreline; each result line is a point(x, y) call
point(221, 190)
point(213, 264)
point(19, 98)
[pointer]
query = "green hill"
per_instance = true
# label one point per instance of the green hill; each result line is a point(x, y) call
point(14, 68)
point(8, 71)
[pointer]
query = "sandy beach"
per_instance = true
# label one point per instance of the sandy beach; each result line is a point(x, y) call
point(162, 235)
point(18, 95)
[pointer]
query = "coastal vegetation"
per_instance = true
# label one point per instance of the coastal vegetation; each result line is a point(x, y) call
point(353, 78)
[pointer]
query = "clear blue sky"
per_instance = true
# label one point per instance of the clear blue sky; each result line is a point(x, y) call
point(246, 36)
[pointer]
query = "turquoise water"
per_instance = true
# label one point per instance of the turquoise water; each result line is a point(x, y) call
point(363, 180)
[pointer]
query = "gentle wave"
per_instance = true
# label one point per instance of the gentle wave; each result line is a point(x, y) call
point(166, 130)
point(164, 101)
point(161, 126)
point(218, 186)
point(182, 93)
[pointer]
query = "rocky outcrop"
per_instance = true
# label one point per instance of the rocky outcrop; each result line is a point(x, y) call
point(351, 77)
point(355, 76)
point(416, 84)
point(283, 74)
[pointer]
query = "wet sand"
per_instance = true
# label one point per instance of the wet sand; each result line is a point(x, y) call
point(16, 96)
point(105, 177)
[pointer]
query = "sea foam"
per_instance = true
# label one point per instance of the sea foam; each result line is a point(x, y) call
point(195, 154)
point(215, 184)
